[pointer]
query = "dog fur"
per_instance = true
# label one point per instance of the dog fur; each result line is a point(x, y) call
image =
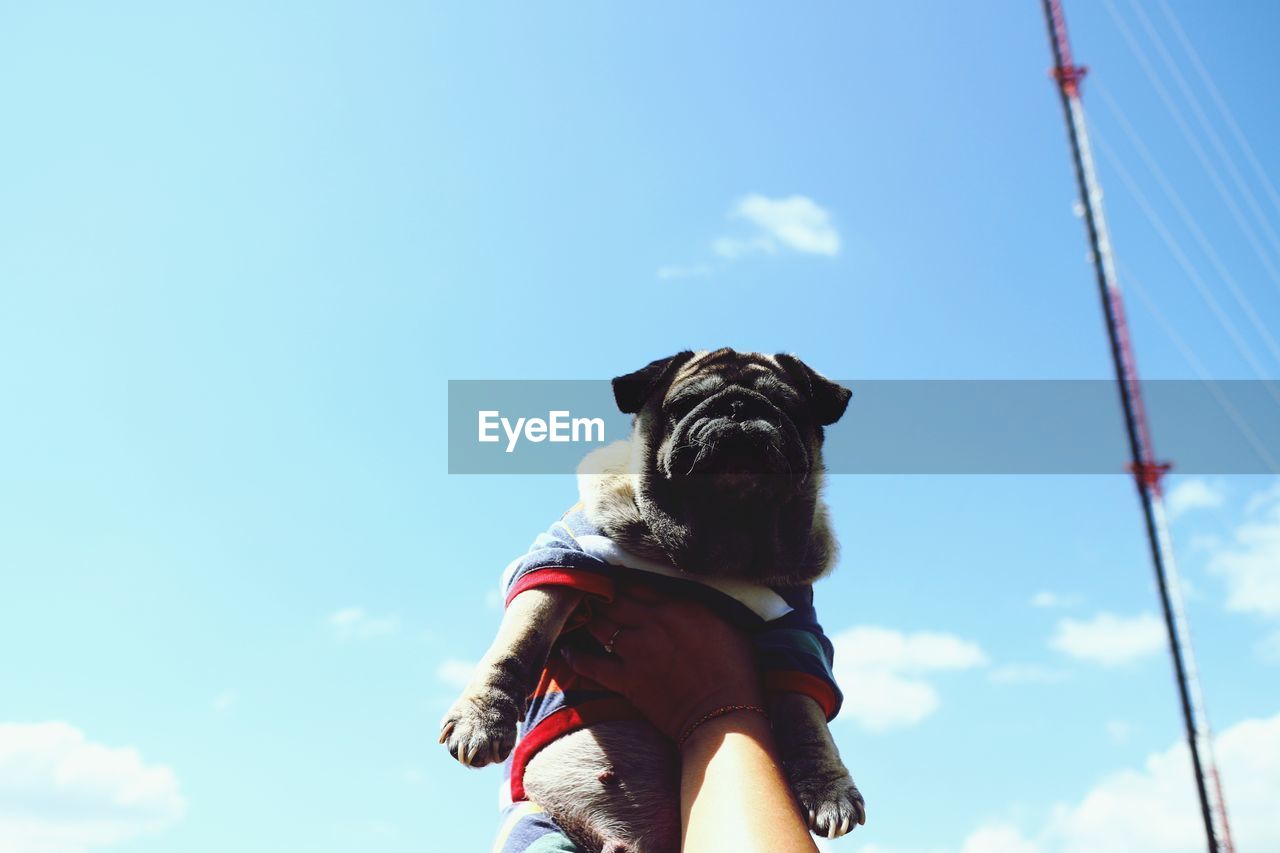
point(614, 786)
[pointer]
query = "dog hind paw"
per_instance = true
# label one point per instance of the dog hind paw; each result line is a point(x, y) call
point(833, 807)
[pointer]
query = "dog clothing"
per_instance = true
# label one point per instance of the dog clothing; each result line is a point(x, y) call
point(792, 651)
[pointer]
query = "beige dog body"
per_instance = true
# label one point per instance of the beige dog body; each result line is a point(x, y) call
point(614, 786)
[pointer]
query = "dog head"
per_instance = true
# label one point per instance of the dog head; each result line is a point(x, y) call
point(731, 425)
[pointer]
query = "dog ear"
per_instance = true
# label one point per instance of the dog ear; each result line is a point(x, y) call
point(634, 389)
point(827, 399)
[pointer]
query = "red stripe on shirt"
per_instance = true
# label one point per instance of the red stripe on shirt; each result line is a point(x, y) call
point(560, 723)
point(793, 681)
point(590, 582)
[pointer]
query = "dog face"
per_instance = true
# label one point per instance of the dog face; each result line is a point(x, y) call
point(729, 425)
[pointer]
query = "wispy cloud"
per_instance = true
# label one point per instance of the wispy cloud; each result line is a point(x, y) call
point(1153, 808)
point(1049, 599)
point(883, 673)
point(796, 223)
point(998, 838)
point(793, 224)
point(1250, 565)
point(1260, 501)
point(354, 623)
point(1108, 639)
point(73, 795)
point(1193, 494)
point(455, 673)
point(1204, 542)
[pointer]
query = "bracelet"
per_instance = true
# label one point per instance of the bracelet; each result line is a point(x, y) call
point(718, 712)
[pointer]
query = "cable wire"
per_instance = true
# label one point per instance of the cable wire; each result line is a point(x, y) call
point(1212, 172)
point(1221, 104)
point(1216, 141)
point(1185, 263)
point(1190, 221)
point(1198, 366)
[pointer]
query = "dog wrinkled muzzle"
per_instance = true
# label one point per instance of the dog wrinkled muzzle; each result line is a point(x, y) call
point(738, 437)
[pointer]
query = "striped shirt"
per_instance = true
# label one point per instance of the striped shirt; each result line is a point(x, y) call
point(792, 652)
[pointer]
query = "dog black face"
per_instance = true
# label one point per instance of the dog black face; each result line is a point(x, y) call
point(731, 425)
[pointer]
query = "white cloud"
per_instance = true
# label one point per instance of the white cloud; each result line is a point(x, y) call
point(353, 622)
point(871, 647)
point(841, 845)
point(684, 271)
point(1250, 565)
point(794, 223)
point(1261, 500)
point(1154, 809)
point(1108, 639)
point(1049, 599)
point(1193, 494)
point(998, 839)
point(455, 673)
point(1025, 673)
point(62, 793)
point(224, 701)
point(1204, 542)
point(880, 671)
point(882, 700)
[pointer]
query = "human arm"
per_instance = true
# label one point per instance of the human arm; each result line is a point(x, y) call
point(677, 662)
point(734, 794)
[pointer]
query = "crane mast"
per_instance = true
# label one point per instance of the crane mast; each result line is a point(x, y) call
point(1147, 471)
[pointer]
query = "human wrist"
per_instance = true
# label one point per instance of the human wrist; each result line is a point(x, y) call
point(722, 696)
point(749, 720)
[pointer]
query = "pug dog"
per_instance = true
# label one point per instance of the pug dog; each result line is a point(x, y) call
point(715, 494)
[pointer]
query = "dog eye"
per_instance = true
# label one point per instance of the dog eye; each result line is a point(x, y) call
point(681, 406)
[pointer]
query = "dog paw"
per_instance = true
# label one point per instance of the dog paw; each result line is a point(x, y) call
point(832, 804)
point(480, 730)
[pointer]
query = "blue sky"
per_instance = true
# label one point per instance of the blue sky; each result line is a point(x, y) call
point(243, 247)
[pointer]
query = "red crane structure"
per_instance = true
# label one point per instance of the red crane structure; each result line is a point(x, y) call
point(1147, 472)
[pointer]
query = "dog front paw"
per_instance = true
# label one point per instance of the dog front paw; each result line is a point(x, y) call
point(480, 729)
point(832, 803)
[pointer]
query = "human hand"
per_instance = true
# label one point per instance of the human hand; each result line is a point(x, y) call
point(674, 659)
